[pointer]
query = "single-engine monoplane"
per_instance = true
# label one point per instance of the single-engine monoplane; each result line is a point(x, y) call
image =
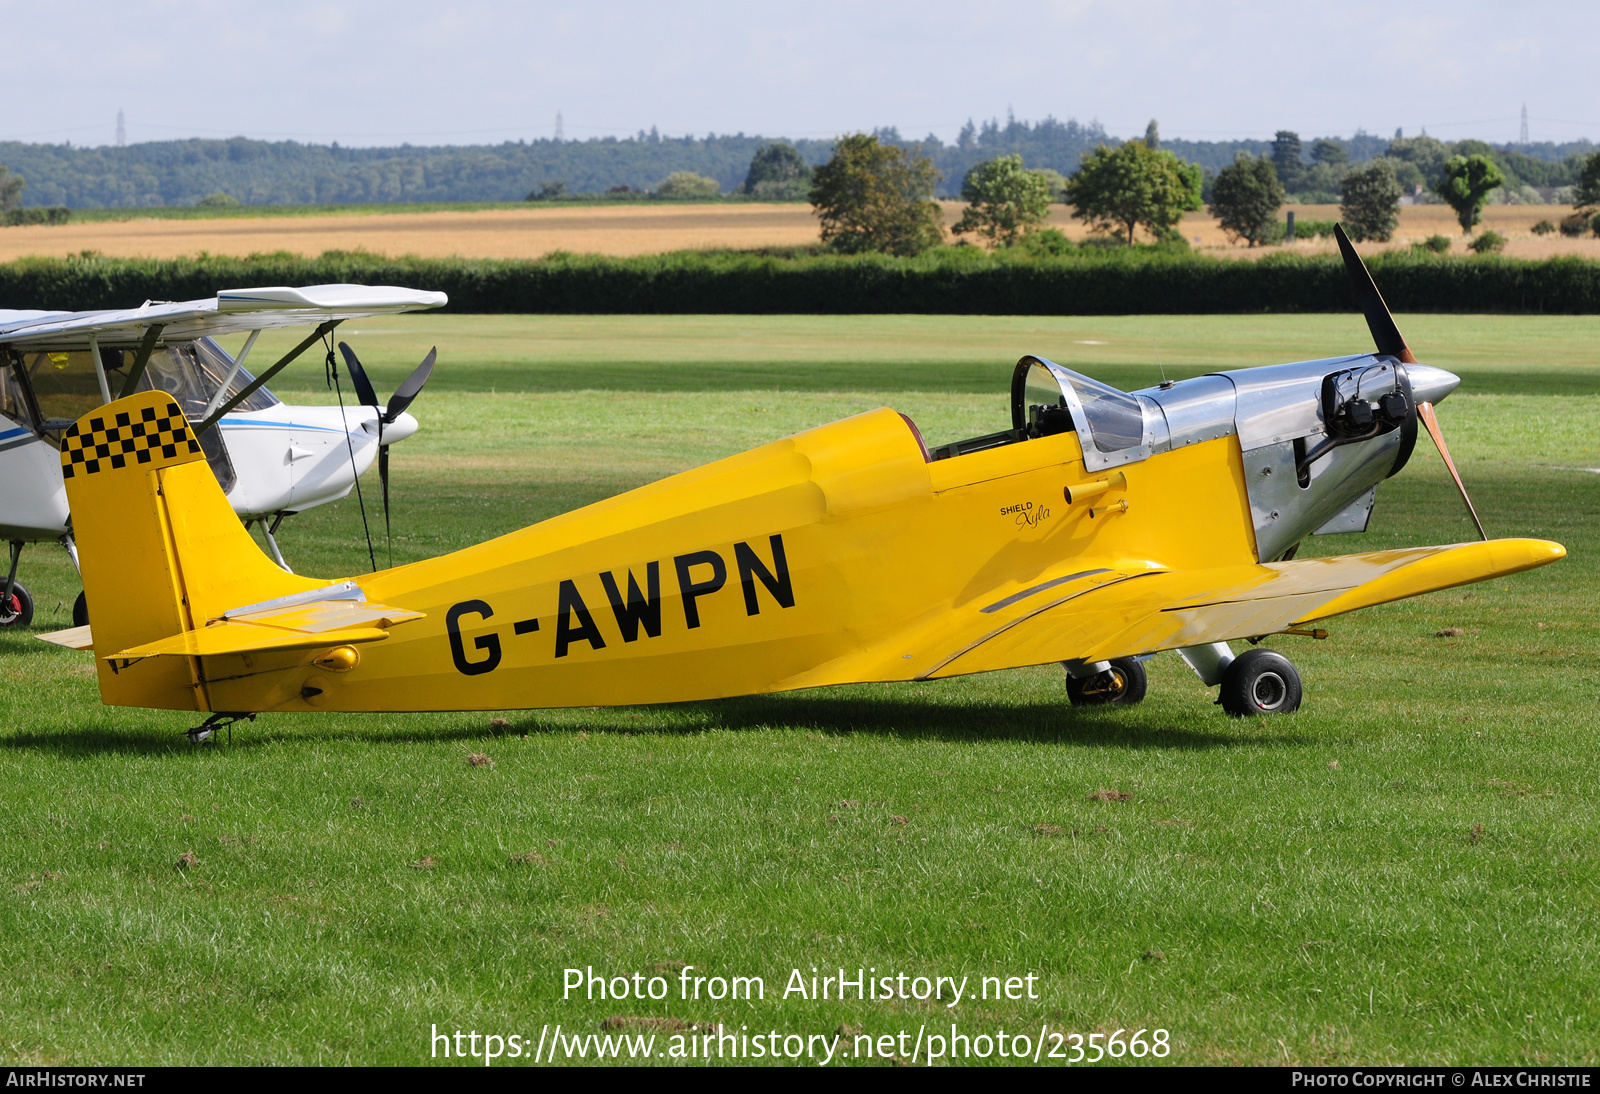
point(270, 459)
point(1098, 528)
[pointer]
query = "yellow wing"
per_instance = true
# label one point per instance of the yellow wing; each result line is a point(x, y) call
point(1167, 609)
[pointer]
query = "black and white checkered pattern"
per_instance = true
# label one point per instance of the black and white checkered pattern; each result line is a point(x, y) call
point(159, 434)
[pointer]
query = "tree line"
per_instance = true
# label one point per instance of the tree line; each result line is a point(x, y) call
point(876, 196)
point(169, 173)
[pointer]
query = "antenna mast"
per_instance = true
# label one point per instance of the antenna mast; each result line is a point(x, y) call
point(122, 129)
point(1524, 123)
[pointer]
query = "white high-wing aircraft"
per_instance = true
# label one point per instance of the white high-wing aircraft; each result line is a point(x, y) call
point(271, 459)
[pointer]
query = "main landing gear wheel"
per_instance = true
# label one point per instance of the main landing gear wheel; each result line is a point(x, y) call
point(1260, 681)
point(18, 611)
point(1123, 683)
point(80, 610)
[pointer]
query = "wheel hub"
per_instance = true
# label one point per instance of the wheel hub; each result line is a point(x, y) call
point(1269, 691)
point(1109, 684)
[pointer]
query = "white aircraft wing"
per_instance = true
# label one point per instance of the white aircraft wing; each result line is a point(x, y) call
point(233, 311)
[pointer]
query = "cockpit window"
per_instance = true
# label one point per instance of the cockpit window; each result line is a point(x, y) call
point(65, 386)
point(191, 372)
point(217, 363)
point(1042, 388)
point(1115, 417)
point(1045, 410)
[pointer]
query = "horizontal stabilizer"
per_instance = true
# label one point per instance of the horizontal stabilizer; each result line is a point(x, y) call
point(226, 638)
point(73, 638)
point(294, 627)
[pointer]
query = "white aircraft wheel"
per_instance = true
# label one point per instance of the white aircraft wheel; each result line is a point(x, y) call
point(80, 611)
point(19, 612)
point(1123, 683)
point(1260, 681)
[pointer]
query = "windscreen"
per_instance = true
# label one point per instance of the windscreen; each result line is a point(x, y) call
point(1042, 388)
point(191, 372)
point(1115, 417)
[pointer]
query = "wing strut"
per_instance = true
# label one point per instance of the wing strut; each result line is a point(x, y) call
point(141, 359)
point(250, 389)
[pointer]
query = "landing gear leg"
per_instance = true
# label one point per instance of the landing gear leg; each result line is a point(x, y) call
point(80, 606)
point(1122, 681)
point(270, 531)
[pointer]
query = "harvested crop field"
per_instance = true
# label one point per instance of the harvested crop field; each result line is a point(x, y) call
point(637, 229)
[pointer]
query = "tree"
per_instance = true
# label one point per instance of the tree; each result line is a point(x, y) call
point(1152, 135)
point(1584, 195)
point(1286, 158)
point(778, 172)
point(1246, 197)
point(1005, 201)
point(217, 199)
point(10, 190)
point(1120, 189)
point(1330, 152)
point(1424, 152)
point(1055, 180)
point(1466, 185)
point(1370, 200)
point(873, 196)
point(687, 184)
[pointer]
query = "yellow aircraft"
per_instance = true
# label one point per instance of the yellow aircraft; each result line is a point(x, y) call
point(1100, 528)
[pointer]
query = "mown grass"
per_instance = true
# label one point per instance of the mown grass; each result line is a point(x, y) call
point(1405, 871)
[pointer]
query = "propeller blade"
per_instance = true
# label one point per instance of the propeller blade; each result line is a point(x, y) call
point(1429, 419)
point(383, 477)
point(1379, 321)
point(409, 390)
point(358, 376)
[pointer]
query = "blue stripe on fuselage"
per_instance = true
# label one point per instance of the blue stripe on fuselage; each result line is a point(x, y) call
point(238, 422)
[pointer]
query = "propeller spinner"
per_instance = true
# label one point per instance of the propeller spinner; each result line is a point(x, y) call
point(1428, 383)
point(403, 396)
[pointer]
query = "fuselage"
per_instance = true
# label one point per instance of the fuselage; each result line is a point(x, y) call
point(845, 553)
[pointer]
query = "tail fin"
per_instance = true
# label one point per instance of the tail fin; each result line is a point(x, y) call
point(160, 549)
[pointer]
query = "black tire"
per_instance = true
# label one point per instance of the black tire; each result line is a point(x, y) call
point(18, 613)
point(80, 611)
point(1124, 683)
point(1260, 681)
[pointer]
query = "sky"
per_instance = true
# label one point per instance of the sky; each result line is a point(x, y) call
point(364, 73)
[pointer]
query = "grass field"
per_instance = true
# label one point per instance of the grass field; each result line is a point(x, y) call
point(519, 230)
point(1405, 871)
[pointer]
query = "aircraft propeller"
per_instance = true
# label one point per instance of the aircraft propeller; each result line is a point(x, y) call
point(1390, 341)
point(403, 395)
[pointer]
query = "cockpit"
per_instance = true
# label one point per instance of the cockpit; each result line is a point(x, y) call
point(1113, 427)
point(45, 391)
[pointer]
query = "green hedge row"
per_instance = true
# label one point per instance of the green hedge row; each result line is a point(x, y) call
point(953, 281)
